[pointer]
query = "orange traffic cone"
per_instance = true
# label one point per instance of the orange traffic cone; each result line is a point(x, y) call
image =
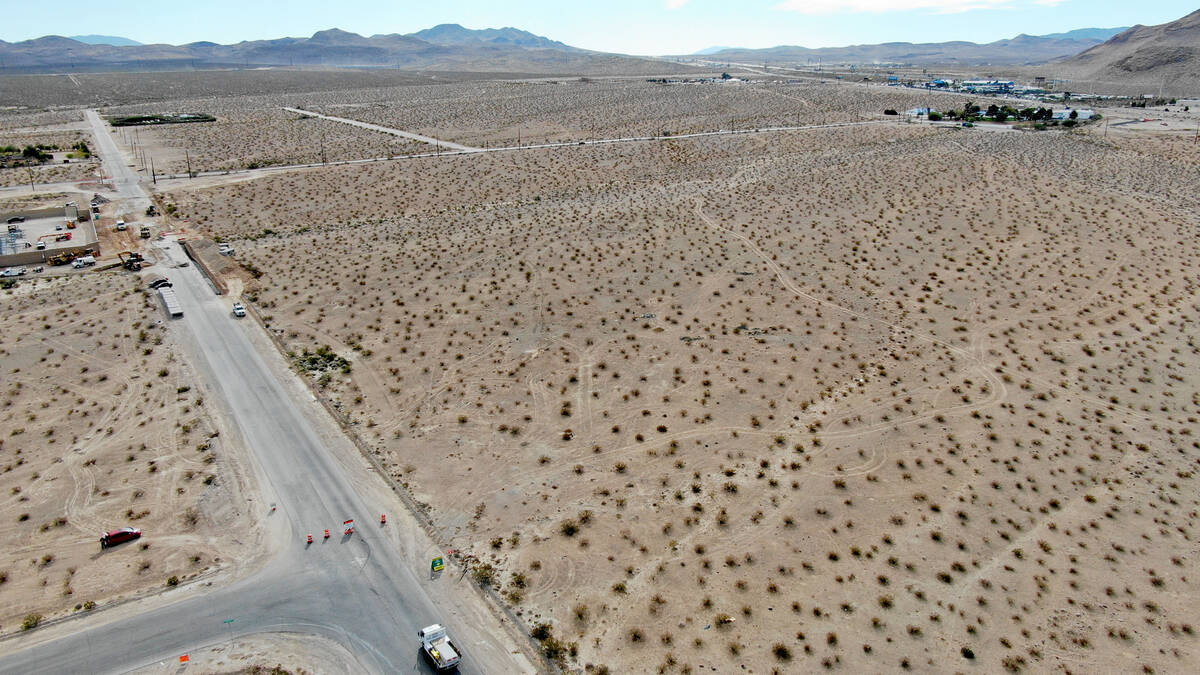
point(310, 538)
point(383, 519)
point(326, 534)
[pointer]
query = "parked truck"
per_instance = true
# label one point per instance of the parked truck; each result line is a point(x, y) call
point(170, 301)
point(145, 232)
point(438, 648)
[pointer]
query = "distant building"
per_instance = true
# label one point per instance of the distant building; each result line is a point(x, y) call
point(988, 86)
point(917, 112)
point(1061, 115)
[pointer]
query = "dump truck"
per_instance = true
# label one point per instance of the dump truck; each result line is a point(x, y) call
point(438, 648)
point(145, 232)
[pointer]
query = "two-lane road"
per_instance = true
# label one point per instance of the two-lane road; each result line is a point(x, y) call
point(367, 591)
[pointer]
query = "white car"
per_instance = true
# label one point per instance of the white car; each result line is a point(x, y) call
point(239, 309)
point(13, 272)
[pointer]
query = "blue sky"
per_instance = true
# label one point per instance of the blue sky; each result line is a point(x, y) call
point(629, 26)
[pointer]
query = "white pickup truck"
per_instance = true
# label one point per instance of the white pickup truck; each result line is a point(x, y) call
point(438, 648)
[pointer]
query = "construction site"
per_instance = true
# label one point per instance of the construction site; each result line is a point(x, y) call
point(50, 236)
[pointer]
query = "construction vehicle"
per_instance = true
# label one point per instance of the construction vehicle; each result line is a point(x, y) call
point(145, 232)
point(60, 259)
point(438, 648)
point(151, 210)
point(131, 260)
point(83, 261)
point(64, 236)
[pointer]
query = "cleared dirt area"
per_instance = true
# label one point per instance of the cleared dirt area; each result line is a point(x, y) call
point(105, 426)
point(503, 113)
point(888, 397)
point(254, 137)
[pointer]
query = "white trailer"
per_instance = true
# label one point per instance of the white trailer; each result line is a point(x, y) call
point(438, 648)
point(170, 301)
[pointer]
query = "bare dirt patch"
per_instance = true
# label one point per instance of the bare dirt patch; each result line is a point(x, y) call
point(885, 395)
point(105, 426)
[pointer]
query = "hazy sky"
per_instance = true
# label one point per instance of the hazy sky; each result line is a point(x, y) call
point(629, 26)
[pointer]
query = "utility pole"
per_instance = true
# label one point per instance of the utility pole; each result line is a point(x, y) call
point(153, 178)
point(189, 162)
point(31, 185)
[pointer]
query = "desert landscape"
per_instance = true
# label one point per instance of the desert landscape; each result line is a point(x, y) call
point(106, 426)
point(885, 396)
point(823, 388)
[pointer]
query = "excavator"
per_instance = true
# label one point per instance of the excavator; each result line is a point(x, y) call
point(131, 260)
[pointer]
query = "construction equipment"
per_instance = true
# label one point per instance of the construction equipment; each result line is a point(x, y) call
point(131, 260)
point(60, 259)
point(145, 232)
point(57, 236)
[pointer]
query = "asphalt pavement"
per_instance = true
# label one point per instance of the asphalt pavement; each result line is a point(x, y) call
point(368, 591)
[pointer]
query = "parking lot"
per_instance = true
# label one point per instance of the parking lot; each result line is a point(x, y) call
point(45, 235)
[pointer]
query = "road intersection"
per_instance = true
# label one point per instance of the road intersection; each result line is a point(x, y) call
point(366, 591)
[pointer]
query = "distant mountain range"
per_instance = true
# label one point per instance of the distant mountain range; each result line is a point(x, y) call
point(1021, 50)
point(1150, 58)
point(105, 40)
point(454, 34)
point(444, 47)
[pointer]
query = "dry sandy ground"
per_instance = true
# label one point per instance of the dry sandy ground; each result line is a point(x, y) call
point(52, 172)
point(105, 426)
point(870, 399)
point(253, 137)
point(501, 113)
point(274, 654)
point(39, 119)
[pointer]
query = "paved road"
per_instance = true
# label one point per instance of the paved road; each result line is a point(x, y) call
point(124, 179)
point(388, 130)
point(367, 591)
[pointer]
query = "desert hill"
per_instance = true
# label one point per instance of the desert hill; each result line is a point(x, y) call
point(1145, 58)
point(454, 34)
point(1021, 50)
point(447, 47)
point(113, 40)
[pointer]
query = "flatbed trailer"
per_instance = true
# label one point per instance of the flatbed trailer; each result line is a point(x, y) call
point(170, 301)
